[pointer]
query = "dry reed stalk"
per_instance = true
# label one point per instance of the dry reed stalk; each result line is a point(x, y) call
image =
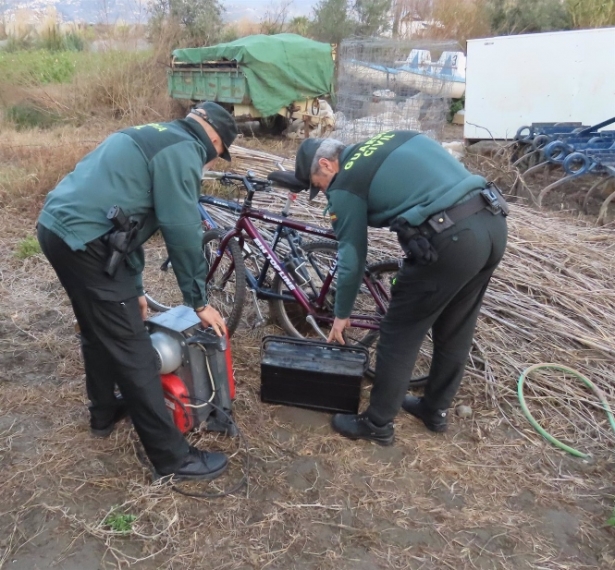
point(551, 299)
point(483, 496)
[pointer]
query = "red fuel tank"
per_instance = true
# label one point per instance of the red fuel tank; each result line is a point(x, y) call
point(176, 397)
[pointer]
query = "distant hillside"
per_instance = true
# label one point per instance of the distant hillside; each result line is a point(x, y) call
point(90, 11)
point(135, 11)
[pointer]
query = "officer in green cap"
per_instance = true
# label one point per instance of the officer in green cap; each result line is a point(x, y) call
point(451, 226)
point(152, 173)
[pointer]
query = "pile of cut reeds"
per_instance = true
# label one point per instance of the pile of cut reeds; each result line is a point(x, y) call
point(551, 300)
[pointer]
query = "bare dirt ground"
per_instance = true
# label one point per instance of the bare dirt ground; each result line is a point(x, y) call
point(483, 496)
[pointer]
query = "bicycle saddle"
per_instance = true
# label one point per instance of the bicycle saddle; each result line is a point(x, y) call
point(287, 180)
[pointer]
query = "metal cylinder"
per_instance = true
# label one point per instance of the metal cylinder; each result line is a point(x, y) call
point(168, 352)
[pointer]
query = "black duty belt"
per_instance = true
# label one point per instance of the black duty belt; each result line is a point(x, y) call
point(489, 198)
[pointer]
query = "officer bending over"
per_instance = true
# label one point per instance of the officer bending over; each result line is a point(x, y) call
point(451, 225)
point(153, 174)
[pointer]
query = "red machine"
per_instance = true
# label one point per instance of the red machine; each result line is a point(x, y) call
point(196, 371)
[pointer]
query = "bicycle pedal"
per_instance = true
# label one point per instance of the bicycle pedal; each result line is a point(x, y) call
point(258, 323)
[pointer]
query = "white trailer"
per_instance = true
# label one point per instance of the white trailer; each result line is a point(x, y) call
point(512, 81)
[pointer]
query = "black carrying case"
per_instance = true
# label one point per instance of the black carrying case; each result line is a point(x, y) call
point(312, 374)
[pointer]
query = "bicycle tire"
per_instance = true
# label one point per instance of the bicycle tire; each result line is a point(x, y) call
point(161, 289)
point(292, 318)
point(290, 315)
point(155, 305)
point(381, 273)
point(226, 290)
point(376, 272)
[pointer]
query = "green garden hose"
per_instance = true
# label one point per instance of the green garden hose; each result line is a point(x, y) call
point(538, 427)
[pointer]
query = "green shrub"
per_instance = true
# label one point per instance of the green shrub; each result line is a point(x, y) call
point(74, 42)
point(55, 68)
point(28, 116)
point(17, 44)
point(456, 105)
point(51, 40)
point(27, 247)
point(37, 67)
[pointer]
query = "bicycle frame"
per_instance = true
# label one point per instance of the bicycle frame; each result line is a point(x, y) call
point(206, 218)
point(255, 282)
point(314, 309)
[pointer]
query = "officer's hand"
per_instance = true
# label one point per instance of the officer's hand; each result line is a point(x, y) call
point(337, 330)
point(143, 306)
point(212, 318)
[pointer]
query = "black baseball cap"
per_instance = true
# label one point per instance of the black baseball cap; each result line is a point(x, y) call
point(221, 120)
point(303, 163)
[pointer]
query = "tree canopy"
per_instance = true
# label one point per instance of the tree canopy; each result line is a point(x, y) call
point(200, 22)
point(186, 22)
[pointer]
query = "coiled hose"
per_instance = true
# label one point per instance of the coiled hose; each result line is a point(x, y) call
point(544, 433)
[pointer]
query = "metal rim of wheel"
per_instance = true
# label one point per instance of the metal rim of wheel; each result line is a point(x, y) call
point(226, 291)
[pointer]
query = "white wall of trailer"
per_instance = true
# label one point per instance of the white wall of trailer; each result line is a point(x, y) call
point(512, 81)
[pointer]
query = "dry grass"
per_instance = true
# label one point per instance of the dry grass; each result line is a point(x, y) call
point(134, 92)
point(549, 302)
point(488, 495)
point(33, 162)
point(115, 86)
point(579, 197)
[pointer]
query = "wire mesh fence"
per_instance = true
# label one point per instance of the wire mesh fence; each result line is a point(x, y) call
point(385, 84)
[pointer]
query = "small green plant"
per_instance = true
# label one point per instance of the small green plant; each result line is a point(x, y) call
point(27, 247)
point(120, 522)
point(611, 520)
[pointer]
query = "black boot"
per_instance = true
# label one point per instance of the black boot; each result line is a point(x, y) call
point(434, 420)
point(360, 426)
point(198, 465)
point(104, 427)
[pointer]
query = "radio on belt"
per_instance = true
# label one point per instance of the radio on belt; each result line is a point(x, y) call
point(196, 370)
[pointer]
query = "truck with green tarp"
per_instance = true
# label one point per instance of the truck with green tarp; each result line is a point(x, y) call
point(275, 79)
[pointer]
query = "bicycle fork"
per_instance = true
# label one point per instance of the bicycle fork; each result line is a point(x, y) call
point(312, 322)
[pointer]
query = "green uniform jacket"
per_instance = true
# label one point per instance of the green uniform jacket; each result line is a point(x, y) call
point(396, 173)
point(153, 172)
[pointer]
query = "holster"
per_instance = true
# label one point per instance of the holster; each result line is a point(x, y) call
point(414, 241)
point(119, 240)
point(118, 243)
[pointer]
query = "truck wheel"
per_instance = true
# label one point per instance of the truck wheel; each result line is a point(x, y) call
point(275, 125)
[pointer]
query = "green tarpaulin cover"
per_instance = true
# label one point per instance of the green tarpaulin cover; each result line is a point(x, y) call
point(279, 69)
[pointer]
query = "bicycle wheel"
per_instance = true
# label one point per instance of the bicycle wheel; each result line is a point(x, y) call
point(291, 316)
point(318, 257)
point(381, 275)
point(161, 289)
point(226, 290)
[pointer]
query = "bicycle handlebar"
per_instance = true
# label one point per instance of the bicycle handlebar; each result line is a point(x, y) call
point(249, 180)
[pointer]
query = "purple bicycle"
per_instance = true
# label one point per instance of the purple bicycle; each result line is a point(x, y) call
point(298, 280)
